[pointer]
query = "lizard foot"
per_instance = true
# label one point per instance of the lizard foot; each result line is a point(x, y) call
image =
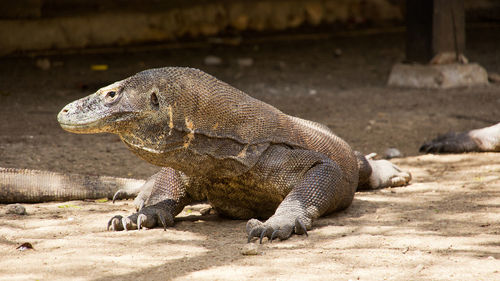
point(450, 143)
point(147, 217)
point(277, 227)
point(386, 174)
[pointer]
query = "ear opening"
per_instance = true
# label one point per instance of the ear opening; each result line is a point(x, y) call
point(155, 103)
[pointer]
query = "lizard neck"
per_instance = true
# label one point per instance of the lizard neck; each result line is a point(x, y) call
point(195, 154)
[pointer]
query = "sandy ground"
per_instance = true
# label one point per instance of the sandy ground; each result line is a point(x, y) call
point(444, 229)
point(444, 226)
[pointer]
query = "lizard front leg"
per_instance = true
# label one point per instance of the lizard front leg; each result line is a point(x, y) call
point(167, 199)
point(318, 186)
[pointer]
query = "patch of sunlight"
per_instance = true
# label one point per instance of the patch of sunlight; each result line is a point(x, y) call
point(448, 158)
point(382, 198)
point(279, 270)
point(20, 276)
point(464, 268)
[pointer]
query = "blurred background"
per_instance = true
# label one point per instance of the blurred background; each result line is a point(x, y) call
point(327, 61)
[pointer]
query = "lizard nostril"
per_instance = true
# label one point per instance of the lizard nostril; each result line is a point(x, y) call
point(64, 111)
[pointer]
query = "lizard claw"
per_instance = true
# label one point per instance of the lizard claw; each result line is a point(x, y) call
point(300, 227)
point(255, 233)
point(114, 223)
point(267, 232)
point(162, 217)
point(127, 224)
point(140, 219)
point(117, 194)
point(274, 235)
point(262, 234)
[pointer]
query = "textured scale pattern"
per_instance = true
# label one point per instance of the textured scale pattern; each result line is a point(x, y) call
point(33, 186)
point(478, 140)
point(247, 158)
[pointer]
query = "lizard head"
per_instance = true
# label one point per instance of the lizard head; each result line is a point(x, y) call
point(107, 110)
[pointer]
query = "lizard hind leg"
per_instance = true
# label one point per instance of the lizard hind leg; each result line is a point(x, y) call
point(450, 143)
point(478, 140)
point(376, 174)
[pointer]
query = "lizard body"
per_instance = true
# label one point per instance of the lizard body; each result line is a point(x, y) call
point(247, 158)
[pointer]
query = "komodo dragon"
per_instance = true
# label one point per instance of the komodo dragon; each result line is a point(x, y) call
point(246, 158)
point(479, 140)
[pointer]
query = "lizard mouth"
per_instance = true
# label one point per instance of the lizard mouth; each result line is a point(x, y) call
point(78, 123)
point(85, 124)
point(88, 128)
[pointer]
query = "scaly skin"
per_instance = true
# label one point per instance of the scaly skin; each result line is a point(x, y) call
point(33, 186)
point(248, 159)
point(480, 140)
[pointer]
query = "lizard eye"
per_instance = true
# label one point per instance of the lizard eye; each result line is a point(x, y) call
point(111, 97)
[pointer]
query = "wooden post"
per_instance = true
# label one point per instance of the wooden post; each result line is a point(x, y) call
point(435, 28)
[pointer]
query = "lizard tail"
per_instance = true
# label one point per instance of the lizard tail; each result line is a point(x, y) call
point(33, 186)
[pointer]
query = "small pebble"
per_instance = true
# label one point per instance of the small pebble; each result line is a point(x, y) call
point(392, 153)
point(43, 64)
point(337, 52)
point(250, 249)
point(16, 209)
point(212, 60)
point(419, 267)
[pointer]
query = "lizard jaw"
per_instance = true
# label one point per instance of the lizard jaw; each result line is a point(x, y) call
point(83, 116)
point(73, 121)
point(89, 128)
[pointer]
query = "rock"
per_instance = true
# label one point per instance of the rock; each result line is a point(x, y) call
point(440, 76)
point(392, 153)
point(212, 61)
point(16, 209)
point(207, 211)
point(43, 64)
point(245, 62)
point(250, 249)
point(448, 57)
point(494, 77)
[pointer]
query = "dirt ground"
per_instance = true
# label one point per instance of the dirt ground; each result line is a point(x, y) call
point(443, 226)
